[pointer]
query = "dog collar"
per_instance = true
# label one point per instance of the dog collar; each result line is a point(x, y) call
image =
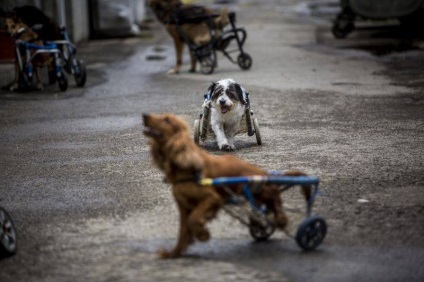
point(20, 32)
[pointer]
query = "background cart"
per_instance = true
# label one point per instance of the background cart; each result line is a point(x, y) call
point(26, 69)
point(407, 11)
point(206, 53)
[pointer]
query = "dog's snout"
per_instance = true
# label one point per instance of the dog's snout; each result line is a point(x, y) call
point(145, 118)
point(222, 101)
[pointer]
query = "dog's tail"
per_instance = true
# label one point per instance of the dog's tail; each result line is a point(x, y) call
point(222, 20)
point(306, 190)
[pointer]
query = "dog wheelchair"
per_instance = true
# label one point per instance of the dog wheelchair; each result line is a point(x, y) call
point(64, 52)
point(310, 233)
point(72, 65)
point(202, 126)
point(25, 68)
point(206, 53)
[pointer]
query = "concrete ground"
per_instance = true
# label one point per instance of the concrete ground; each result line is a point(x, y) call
point(89, 205)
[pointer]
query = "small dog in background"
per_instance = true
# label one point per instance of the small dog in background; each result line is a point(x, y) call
point(227, 101)
point(197, 32)
point(46, 28)
point(20, 31)
point(184, 164)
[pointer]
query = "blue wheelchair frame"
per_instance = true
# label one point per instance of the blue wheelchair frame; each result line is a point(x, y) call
point(311, 231)
point(255, 183)
point(26, 68)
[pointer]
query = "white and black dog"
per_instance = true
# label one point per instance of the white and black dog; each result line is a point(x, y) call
point(227, 101)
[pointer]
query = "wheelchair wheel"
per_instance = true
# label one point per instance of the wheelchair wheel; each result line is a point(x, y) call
point(62, 79)
point(343, 25)
point(196, 131)
point(208, 63)
point(8, 244)
point(244, 61)
point(311, 233)
point(257, 132)
point(261, 233)
point(80, 73)
point(205, 123)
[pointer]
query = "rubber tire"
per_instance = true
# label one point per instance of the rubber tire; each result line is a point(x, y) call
point(311, 233)
point(202, 125)
point(208, 63)
point(196, 131)
point(261, 234)
point(62, 80)
point(257, 132)
point(81, 78)
point(7, 248)
point(244, 61)
point(342, 27)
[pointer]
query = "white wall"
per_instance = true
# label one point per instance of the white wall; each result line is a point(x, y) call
point(80, 20)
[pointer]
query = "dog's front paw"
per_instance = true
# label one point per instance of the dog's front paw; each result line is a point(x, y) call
point(281, 221)
point(227, 147)
point(39, 86)
point(202, 235)
point(164, 254)
point(14, 86)
point(173, 71)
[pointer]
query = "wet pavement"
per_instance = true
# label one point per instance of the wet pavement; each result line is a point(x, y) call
point(88, 205)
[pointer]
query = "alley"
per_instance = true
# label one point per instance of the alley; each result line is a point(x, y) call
point(89, 205)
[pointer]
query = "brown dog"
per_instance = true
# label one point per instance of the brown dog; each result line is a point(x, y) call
point(197, 33)
point(184, 163)
point(20, 31)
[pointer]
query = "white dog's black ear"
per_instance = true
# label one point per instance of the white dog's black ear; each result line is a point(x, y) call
point(241, 94)
point(208, 95)
point(211, 90)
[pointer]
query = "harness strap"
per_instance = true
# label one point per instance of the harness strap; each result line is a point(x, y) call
point(195, 179)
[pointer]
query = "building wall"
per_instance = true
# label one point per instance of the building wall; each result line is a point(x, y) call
point(80, 20)
point(74, 14)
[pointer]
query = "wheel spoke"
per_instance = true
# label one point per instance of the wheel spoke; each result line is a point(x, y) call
point(5, 240)
point(7, 224)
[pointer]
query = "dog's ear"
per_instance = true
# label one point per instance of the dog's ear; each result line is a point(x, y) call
point(208, 95)
point(241, 93)
point(211, 90)
point(183, 153)
point(157, 155)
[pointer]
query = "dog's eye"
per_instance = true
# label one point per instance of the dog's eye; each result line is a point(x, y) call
point(167, 120)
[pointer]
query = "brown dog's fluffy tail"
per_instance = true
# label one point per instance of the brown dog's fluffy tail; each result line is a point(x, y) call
point(222, 20)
